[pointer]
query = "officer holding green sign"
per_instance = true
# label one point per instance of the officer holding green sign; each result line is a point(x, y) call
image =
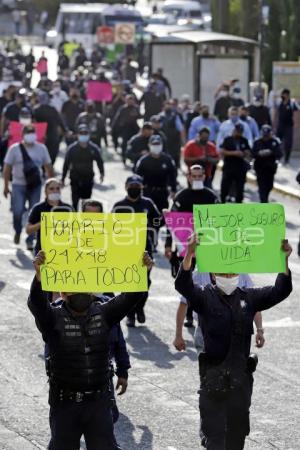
point(226, 367)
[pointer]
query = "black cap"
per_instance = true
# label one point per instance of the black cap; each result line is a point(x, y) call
point(147, 126)
point(83, 128)
point(266, 129)
point(134, 179)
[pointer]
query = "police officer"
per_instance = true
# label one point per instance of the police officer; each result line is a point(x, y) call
point(159, 173)
point(226, 367)
point(266, 151)
point(79, 160)
point(77, 333)
point(172, 126)
point(135, 202)
point(235, 149)
point(184, 200)
point(139, 143)
point(285, 127)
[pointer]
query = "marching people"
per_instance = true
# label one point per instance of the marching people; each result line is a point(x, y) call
point(205, 120)
point(95, 122)
point(23, 164)
point(51, 203)
point(203, 279)
point(79, 405)
point(138, 145)
point(259, 111)
point(79, 161)
point(135, 202)
point(204, 152)
point(226, 366)
point(266, 152)
point(118, 353)
point(235, 150)
point(173, 128)
point(195, 194)
point(159, 173)
point(125, 122)
point(228, 127)
point(285, 122)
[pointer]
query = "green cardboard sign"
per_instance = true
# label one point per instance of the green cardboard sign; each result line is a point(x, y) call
point(240, 238)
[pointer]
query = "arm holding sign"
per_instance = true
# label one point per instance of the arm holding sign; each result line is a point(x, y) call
point(266, 297)
point(184, 282)
point(115, 310)
point(38, 302)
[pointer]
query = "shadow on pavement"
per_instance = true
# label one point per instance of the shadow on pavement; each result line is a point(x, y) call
point(23, 261)
point(124, 434)
point(147, 346)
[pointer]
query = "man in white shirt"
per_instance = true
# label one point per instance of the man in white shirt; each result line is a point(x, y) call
point(25, 154)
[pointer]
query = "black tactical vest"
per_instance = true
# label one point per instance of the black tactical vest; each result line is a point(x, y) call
point(79, 354)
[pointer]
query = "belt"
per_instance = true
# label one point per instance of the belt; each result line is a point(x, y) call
point(80, 396)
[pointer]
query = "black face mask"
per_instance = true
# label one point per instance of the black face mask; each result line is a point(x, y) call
point(203, 141)
point(134, 192)
point(80, 302)
point(205, 115)
point(244, 118)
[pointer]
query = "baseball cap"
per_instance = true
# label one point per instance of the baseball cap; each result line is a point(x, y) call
point(155, 140)
point(134, 179)
point(83, 128)
point(266, 129)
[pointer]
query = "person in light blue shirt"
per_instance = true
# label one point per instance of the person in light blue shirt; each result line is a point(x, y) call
point(250, 121)
point(227, 127)
point(204, 120)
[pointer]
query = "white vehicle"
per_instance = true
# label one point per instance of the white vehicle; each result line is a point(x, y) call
point(8, 4)
point(79, 22)
point(184, 11)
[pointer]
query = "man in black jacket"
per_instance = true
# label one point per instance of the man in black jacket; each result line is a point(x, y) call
point(266, 152)
point(79, 160)
point(77, 333)
point(226, 367)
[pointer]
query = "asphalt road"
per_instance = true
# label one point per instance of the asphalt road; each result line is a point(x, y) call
point(160, 408)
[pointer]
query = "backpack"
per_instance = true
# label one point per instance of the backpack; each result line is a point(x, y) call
point(31, 171)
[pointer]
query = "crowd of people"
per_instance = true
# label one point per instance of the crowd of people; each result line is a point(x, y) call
point(158, 136)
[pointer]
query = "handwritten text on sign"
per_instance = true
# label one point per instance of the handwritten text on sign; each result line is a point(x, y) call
point(240, 238)
point(87, 252)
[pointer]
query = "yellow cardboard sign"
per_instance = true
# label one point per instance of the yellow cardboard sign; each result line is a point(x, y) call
point(93, 252)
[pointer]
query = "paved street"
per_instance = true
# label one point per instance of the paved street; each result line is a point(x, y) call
point(160, 410)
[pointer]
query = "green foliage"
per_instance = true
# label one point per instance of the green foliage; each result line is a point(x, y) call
point(281, 36)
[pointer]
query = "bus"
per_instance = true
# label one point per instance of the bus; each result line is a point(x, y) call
point(79, 22)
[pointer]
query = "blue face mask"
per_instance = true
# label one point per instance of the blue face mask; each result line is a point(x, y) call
point(234, 119)
point(83, 138)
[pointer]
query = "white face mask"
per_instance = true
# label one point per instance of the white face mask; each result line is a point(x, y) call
point(54, 197)
point(197, 185)
point(30, 138)
point(156, 149)
point(25, 121)
point(227, 285)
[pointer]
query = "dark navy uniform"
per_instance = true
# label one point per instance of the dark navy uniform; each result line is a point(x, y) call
point(158, 174)
point(226, 383)
point(154, 218)
point(285, 128)
point(80, 161)
point(234, 169)
point(266, 165)
point(184, 201)
point(79, 348)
